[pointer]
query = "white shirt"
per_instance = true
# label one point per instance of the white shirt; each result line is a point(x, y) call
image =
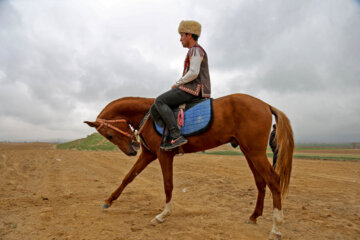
point(194, 69)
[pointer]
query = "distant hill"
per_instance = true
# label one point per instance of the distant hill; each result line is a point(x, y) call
point(97, 142)
point(94, 141)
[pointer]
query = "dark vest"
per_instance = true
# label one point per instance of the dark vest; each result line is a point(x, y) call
point(202, 81)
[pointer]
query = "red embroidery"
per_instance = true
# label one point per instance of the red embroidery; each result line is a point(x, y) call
point(192, 52)
point(188, 90)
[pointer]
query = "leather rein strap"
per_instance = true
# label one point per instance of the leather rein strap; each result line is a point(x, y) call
point(104, 122)
point(134, 135)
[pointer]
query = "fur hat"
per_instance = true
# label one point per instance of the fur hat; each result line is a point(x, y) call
point(192, 27)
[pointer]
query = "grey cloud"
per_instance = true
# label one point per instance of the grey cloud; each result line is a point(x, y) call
point(303, 57)
point(297, 46)
point(61, 63)
point(45, 78)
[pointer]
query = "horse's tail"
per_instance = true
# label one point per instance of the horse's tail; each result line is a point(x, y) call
point(285, 145)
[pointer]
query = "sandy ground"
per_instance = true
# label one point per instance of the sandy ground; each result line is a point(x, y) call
point(57, 194)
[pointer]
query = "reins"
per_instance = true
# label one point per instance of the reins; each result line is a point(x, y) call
point(107, 123)
point(104, 122)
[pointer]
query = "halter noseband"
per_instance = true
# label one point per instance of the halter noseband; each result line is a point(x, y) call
point(104, 122)
point(135, 134)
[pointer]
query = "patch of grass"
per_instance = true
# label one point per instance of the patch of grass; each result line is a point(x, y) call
point(315, 157)
point(313, 146)
point(343, 158)
point(94, 141)
point(226, 152)
point(97, 142)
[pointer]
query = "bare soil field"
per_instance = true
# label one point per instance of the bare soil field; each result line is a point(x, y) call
point(47, 193)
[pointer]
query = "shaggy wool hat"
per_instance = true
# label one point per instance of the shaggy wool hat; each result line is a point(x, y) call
point(192, 27)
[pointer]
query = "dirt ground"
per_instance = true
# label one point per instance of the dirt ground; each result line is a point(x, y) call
point(57, 194)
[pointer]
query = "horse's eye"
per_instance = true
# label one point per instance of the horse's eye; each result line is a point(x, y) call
point(109, 137)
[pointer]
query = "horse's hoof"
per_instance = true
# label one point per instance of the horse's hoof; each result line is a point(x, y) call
point(274, 236)
point(155, 221)
point(106, 205)
point(249, 221)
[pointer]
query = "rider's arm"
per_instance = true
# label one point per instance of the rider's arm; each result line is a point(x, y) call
point(194, 69)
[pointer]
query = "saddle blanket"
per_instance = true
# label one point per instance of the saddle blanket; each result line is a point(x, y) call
point(197, 119)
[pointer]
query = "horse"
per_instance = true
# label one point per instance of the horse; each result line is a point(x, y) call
point(239, 119)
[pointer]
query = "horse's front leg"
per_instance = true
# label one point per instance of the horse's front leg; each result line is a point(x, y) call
point(166, 163)
point(144, 159)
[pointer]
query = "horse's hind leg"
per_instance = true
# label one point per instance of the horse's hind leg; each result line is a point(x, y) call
point(261, 186)
point(272, 179)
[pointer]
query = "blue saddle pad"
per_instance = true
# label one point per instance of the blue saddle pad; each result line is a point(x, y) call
point(197, 119)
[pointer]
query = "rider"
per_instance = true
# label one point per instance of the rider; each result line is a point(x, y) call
point(194, 84)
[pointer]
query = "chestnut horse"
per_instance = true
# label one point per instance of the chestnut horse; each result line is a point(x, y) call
point(239, 119)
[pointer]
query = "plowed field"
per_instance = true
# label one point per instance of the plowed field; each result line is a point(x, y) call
point(47, 193)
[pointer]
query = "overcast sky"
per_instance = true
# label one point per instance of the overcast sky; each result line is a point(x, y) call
point(62, 61)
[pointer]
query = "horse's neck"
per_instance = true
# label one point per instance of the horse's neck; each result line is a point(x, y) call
point(132, 110)
point(136, 116)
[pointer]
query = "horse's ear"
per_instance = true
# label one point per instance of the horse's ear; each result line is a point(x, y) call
point(92, 124)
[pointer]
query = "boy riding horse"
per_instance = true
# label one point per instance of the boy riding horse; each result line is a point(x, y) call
point(194, 84)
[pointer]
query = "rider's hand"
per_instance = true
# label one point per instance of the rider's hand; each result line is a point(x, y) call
point(173, 86)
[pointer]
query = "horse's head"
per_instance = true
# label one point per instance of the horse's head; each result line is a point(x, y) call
point(119, 133)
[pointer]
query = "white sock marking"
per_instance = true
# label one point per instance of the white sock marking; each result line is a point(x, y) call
point(278, 219)
point(167, 211)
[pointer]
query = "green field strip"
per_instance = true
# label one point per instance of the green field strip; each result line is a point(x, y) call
point(315, 157)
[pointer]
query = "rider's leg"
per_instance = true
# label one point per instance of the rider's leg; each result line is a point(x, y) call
point(168, 100)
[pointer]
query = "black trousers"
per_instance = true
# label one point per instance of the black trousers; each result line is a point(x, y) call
point(168, 100)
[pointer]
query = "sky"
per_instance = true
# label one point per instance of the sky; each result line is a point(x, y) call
point(61, 62)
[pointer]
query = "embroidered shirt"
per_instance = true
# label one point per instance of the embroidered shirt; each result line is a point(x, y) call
point(196, 77)
point(192, 70)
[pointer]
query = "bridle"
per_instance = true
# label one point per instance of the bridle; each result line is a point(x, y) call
point(107, 123)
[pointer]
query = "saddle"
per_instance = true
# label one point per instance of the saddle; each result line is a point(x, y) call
point(197, 117)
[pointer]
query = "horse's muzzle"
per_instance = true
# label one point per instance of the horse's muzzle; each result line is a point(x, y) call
point(135, 146)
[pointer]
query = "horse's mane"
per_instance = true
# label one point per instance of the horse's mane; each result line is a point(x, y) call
point(125, 105)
